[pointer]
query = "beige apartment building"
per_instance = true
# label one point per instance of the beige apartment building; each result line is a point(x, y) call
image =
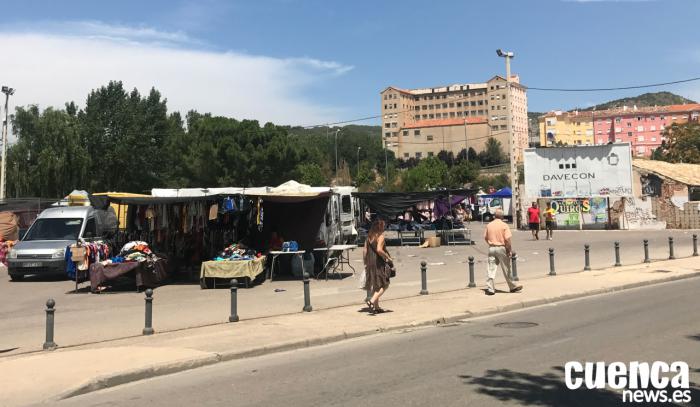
point(420, 122)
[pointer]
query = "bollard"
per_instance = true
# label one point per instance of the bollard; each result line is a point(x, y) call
point(586, 257)
point(423, 278)
point(471, 284)
point(695, 245)
point(646, 251)
point(148, 329)
point(514, 266)
point(670, 249)
point(551, 262)
point(307, 294)
point(50, 344)
point(617, 254)
point(234, 301)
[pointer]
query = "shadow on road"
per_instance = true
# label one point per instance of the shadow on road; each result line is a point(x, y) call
point(547, 389)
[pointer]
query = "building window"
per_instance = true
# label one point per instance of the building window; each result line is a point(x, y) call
point(405, 132)
point(652, 128)
point(387, 125)
point(430, 153)
point(431, 116)
point(416, 132)
point(419, 155)
point(405, 155)
point(429, 137)
point(387, 134)
point(640, 138)
point(639, 118)
point(629, 134)
point(629, 124)
point(618, 119)
point(459, 104)
point(640, 128)
point(653, 139)
point(662, 117)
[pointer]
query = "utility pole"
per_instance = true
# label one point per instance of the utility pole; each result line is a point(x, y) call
point(358, 161)
point(336, 155)
point(508, 55)
point(3, 172)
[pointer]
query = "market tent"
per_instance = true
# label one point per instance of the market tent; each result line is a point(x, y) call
point(392, 204)
point(195, 192)
point(295, 211)
point(501, 193)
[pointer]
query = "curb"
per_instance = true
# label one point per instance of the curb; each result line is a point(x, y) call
point(119, 378)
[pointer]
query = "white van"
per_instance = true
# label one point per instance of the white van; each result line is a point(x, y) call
point(348, 206)
point(41, 251)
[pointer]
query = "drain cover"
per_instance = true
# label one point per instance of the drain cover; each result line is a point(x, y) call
point(516, 325)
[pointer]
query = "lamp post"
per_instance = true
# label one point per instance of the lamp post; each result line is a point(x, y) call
point(3, 181)
point(336, 155)
point(358, 161)
point(508, 55)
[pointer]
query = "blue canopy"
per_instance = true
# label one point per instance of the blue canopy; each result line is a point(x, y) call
point(501, 193)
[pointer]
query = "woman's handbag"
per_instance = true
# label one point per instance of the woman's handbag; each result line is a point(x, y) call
point(391, 269)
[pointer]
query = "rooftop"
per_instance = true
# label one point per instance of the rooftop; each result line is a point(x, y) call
point(688, 174)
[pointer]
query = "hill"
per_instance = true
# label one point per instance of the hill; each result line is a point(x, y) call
point(647, 99)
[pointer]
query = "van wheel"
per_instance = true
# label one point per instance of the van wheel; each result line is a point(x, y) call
point(16, 277)
point(488, 217)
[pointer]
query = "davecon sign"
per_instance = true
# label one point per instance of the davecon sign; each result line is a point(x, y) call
point(580, 171)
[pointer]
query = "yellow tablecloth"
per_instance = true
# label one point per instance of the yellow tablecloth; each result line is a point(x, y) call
point(233, 269)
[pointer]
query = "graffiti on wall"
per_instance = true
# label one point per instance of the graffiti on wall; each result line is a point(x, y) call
point(639, 214)
point(651, 185)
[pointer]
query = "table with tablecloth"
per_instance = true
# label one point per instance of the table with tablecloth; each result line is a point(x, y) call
point(233, 268)
point(148, 274)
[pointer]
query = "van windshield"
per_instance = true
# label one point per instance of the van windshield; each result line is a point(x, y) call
point(54, 229)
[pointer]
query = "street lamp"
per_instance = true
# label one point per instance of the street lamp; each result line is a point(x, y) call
point(358, 161)
point(336, 155)
point(508, 55)
point(7, 91)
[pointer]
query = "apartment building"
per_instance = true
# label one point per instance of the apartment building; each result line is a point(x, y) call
point(568, 128)
point(642, 127)
point(479, 108)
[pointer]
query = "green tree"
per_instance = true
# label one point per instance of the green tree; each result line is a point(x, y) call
point(682, 144)
point(48, 159)
point(428, 174)
point(311, 174)
point(463, 173)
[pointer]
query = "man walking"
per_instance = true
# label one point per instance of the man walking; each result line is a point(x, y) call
point(498, 236)
point(549, 221)
point(533, 216)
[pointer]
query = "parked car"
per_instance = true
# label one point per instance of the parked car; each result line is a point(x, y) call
point(41, 250)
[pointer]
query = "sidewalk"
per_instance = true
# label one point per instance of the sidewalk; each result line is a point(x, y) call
point(77, 370)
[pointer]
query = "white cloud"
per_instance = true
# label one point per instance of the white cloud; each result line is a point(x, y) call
point(51, 66)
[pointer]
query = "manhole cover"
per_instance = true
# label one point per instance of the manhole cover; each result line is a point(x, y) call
point(516, 325)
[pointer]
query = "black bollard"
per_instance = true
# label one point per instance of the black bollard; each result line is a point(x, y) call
point(695, 245)
point(423, 278)
point(551, 262)
point(307, 294)
point(586, 257)
point(148, 329)
point(670, 249)
point(50, 344)
point(617, 254)
point(646, 251)
point(234, 301)
point(514, 266)
point(471, 284)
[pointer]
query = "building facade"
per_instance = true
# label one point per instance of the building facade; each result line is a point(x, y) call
point(469, 106)
point(641, 127)
point(566, 128)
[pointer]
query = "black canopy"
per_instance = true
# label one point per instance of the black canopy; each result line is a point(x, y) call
point(392, 204)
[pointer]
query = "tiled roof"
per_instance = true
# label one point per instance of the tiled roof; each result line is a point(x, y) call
point(445, 122)
point(688, 174)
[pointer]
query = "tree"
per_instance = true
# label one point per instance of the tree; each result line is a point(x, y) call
point(682, 144)
point(311, 174)
point(472, 155)
point(463, 173)
point(428, 174)
point(493, 153)
point(48, 159)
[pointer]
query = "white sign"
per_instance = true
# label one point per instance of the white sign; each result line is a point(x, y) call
point(581, 171)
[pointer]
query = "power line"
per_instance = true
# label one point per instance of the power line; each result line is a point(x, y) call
point(528, 88)
point(611, 89)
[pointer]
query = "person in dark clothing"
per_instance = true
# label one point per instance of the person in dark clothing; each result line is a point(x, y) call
point(376, 259)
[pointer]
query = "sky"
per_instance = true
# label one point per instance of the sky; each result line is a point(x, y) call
point(322, 61)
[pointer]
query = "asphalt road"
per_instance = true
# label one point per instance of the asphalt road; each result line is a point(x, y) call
point(83, 317)
point(473, 363)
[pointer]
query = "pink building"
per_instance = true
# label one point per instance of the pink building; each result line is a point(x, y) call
point(642, 127)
